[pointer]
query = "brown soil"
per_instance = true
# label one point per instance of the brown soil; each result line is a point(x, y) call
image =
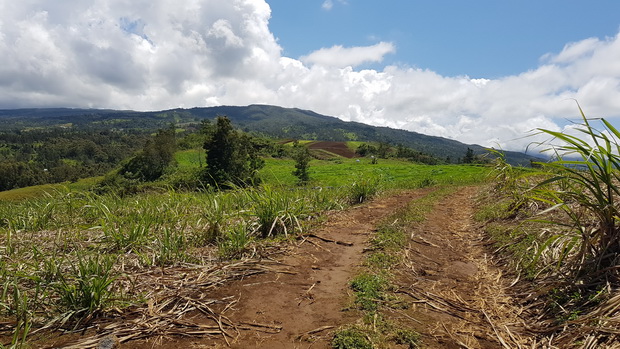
point(459, 297)
point(456, 296)
point(338, 148)
point(314, 292)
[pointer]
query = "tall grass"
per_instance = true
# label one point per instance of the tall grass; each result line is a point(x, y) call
point(364, 189)
point(583, 182)
point(277, 211)
point(86, 289)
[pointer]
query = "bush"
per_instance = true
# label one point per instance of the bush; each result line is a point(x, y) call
point(363, 190)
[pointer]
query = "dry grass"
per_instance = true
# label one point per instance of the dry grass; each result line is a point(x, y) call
point(172, 294)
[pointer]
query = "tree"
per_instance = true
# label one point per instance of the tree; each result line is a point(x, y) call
point(301, 155)
point(383, 150)
point(469, 157)
point(232, 156)
point(157, 154)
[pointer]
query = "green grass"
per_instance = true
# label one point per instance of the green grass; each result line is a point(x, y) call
point(38, 191)
point(351, 338)
point(353, 145)
point(395, 173)
point(190, 158)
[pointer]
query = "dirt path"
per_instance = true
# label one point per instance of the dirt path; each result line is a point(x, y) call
point(313, 298)
point(311, 295)
point(456, 294)
point(459, 296)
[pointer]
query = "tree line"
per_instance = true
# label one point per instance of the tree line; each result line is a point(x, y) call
point(31, 157)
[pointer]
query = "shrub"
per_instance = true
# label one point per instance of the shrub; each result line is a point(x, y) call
point(363, 190)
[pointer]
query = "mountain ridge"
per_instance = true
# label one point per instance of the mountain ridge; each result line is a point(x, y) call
point(268, 120)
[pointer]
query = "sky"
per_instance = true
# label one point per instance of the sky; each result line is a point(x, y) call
point(482, 72)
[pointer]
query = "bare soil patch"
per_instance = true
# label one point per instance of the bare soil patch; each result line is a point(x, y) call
point(338, 148)
point(459, 297)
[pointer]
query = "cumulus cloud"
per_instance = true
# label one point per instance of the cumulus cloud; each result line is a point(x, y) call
point(139, 54)
point(148, 55)
point(338, 56)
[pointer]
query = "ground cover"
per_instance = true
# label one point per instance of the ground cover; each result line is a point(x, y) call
point(46, 189)
point(72, 259)
point(391, 172)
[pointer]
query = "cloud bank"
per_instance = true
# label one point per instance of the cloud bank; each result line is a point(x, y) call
point(149, 55)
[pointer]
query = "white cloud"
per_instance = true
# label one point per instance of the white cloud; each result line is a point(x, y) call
point(338, 56)
point(329, 4)
point(149, 55)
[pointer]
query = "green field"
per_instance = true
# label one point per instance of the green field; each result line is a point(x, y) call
point(338, 172)
point(390, 172)
point(190, 158)
point(37, 191)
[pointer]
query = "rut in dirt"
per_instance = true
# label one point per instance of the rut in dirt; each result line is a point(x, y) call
point(459, 297)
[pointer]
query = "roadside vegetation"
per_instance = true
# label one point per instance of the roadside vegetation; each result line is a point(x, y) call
point(557, 225)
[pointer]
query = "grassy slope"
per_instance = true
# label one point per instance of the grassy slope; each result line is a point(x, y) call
point(41, 190)
point(334, 173)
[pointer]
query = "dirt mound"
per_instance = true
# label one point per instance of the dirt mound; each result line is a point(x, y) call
point(338, 148)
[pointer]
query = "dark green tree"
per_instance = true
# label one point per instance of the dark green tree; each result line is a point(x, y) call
point(365, 149)
point(469, 157)
point(232, 156)
point(302, 158)
point(383, 150)
point(157, 154)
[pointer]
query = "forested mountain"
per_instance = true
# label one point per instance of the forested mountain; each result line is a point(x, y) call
point(271, 121)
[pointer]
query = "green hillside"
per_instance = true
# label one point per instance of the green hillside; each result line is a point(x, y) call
point(272, 121)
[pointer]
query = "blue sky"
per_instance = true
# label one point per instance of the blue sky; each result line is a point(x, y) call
point(478, 38)
point(481, 72)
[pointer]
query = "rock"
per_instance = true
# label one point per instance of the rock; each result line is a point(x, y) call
point(109, 342)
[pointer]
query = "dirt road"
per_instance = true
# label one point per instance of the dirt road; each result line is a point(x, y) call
point(456, 295)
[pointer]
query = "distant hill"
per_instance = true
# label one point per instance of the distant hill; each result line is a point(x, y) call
point(272, 121)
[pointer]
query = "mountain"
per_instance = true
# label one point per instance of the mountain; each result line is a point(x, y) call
point(272, 121)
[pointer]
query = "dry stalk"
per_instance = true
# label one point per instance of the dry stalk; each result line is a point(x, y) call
point(175, 292)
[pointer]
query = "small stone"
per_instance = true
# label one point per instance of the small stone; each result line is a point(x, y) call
point(109, 342)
